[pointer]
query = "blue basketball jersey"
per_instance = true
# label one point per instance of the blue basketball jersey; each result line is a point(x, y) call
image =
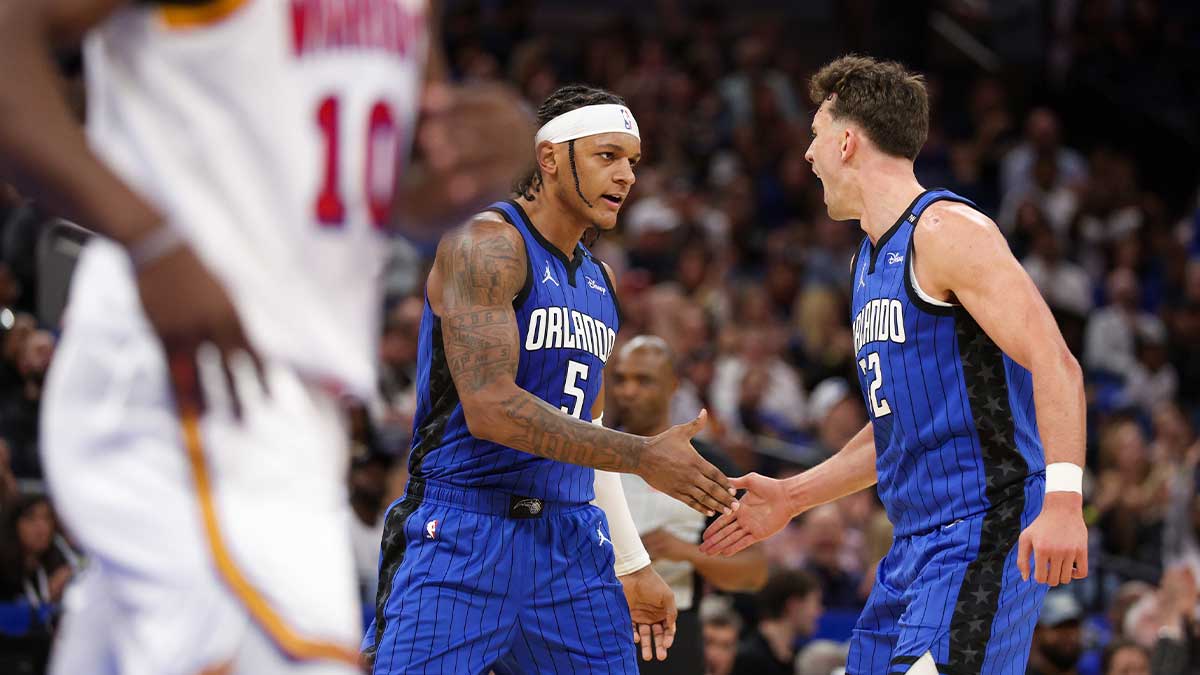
point(953, 416)
point(567, 317)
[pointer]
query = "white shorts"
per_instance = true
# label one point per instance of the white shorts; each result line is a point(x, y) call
point(229, 545)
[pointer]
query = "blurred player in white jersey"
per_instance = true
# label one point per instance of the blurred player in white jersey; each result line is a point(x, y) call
point(242, 164)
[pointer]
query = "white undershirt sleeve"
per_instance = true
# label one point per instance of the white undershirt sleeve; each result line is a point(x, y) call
point(631, 555)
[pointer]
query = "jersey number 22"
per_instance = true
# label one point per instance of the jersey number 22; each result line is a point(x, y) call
point(870, 367)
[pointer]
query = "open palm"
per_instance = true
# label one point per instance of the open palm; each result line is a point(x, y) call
point(761, 512)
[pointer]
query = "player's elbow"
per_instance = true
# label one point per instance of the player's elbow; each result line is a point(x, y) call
point(483, 411)
point(476, 415)
point(1060, 364)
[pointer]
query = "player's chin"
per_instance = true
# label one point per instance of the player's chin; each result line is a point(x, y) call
point(606, 221)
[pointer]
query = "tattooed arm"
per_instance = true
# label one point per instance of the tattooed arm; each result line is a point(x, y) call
point(477, 272)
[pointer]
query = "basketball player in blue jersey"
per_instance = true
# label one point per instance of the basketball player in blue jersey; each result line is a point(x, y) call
point(976, 432)
point(495, 559)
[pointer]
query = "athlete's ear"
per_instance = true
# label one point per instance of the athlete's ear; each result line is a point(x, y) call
point(849, 142)
point(546, 159)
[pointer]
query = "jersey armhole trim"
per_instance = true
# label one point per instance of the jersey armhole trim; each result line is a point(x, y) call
point(916, 294)
point(522, 295)
point(612, 288)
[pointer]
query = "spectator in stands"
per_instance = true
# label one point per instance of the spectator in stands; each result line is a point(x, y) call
point(1152, 381)
point(33, 574)
point(1110, 341)
point(639, 386)
point(13, 345)
point(838, 413)
point(821, 657)
point(754, 391)
point(721, 629)
point(1065, 285)
point(828, 560)
point(8, 482)
point(1132, 494)
point(788, 609)
point(1057, 640)
point(393, 412)
point(1042, 138)
point(19, 408)
point(1123, 657)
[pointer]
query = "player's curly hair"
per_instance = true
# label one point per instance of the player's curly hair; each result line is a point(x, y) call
point(563, 100)
point(887, 101)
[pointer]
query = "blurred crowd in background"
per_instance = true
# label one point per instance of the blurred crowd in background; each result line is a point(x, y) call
point(1075, 124)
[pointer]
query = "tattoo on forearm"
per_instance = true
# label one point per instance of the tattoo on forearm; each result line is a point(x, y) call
point(481, 272)
point(542, 430)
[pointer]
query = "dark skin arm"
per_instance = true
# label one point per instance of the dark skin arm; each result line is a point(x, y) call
point(477, 272)
point(42, 147)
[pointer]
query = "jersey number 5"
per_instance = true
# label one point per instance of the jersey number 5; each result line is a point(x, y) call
point(869, 366)
point(576, 371)
point(380, 170)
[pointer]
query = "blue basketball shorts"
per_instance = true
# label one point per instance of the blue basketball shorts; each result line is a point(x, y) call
point(473, 581)
point(956, 593)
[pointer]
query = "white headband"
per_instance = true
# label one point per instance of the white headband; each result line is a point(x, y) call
point(588, 121)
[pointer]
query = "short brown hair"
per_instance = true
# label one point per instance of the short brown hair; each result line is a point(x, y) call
point(887, 101)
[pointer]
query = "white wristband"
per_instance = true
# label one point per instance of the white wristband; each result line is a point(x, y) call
point(1064, 477)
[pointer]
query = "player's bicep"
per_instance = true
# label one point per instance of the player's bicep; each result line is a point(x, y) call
point(973, 261)
point(481, 268)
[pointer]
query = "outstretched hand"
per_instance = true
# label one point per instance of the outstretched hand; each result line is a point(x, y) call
point(762, 511)
point(671, 465)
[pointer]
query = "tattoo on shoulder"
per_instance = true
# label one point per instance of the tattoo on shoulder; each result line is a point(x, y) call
point(480, 271)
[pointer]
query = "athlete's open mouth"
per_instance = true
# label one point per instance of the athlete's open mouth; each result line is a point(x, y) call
point(613, 199)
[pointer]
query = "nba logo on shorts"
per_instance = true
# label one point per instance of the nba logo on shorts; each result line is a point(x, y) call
point(625, 118)
point(431, 529)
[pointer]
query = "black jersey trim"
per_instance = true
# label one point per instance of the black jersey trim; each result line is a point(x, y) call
point(891, 231)
point(572, 264)
point(612, 288)
point(854, 260)
point(527, 287)
point(443, 400)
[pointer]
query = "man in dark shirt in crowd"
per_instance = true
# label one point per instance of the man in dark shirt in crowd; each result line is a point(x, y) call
point(788, 609)
point(1058, 640)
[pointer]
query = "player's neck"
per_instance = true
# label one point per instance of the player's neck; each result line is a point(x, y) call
point(557, 224)
point(886, 191)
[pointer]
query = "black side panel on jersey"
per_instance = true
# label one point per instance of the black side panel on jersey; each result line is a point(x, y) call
point(391, 552)
point(1004, 471)
point(443, 399)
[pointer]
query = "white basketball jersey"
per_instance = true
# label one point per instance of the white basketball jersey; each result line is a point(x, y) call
point(269, 133)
